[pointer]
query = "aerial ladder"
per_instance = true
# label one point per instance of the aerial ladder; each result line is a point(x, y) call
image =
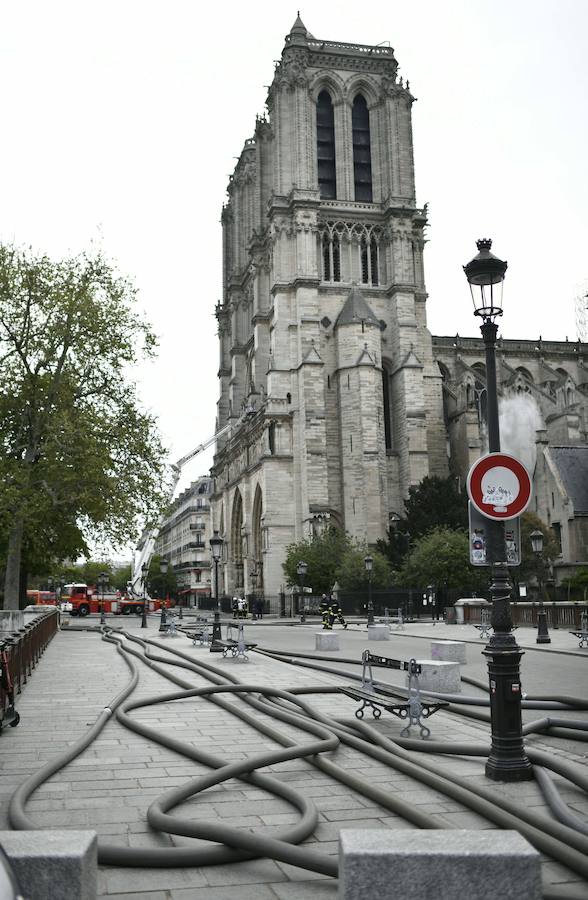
point(144, 552)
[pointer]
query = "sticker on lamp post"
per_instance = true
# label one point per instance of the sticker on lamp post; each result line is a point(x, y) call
point(499, 486)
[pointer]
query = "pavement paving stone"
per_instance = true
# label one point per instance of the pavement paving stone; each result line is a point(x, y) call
point(145, 895)
point(224, 892)
point(307, 890)
point(137, 880)
point(259, 871)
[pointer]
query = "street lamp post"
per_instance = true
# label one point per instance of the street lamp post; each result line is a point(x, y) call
point(537, 546)
point(507, 761)
point(163, 567)
point(301, 570)
point(216, 545)
point(369, 565)
point(102, 582)
point(144, 572)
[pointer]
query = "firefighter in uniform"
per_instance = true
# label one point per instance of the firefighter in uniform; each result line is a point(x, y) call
point(326, 612)
point(335, 613)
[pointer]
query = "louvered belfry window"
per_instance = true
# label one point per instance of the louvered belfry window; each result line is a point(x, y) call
point(362, 157)
point(325, 146)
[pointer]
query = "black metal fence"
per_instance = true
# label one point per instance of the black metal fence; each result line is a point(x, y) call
point(21, 650)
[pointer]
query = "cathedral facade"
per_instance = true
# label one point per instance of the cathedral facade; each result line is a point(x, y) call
point(338, 397)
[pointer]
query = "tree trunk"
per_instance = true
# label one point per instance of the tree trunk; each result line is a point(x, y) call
point(12, 580)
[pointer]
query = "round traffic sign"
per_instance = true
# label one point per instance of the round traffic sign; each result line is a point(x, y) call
point(499, 486)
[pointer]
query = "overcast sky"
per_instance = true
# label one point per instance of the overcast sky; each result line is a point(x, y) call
point(124, 118)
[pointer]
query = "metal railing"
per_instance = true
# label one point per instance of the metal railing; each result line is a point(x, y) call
point(21, 650)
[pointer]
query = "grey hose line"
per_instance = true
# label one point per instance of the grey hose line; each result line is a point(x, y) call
point(226, 834)
point(450, 698)
point(561, 766)
point(577, 702)
point(557, 806)
point(345, 673)
point(394, 804)
point(553, 838)
point(165, 649)
point(507, 815)
point(16, 808)
point(112, 855)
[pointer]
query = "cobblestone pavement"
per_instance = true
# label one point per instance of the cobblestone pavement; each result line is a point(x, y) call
point(110, 786)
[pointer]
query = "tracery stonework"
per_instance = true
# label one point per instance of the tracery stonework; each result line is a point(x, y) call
point(328, 374)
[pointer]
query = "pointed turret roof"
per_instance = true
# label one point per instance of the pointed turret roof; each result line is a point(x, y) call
point(356, 310)
point(299, 34)
point(299, 27)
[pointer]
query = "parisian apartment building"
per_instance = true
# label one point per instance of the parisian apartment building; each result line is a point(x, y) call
point(183, 541)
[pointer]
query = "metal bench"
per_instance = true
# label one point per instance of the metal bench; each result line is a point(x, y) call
point(410, 708)
point(583, 632)
point(199, 638)
point(237, 648)
point(484, 627)
point(397, 620)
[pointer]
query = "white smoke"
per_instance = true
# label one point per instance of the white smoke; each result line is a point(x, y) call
point(520, 417)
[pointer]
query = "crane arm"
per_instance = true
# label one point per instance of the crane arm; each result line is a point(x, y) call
point(184, 459)
point(136, 586)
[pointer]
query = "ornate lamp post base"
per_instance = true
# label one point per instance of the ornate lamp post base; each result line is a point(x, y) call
point(163, 620)
point(507, 760)
point(216, 634)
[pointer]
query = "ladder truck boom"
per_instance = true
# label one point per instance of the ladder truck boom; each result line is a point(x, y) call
point(136, 586)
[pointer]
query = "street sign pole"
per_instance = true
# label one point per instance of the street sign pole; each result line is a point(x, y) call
point(500, 488)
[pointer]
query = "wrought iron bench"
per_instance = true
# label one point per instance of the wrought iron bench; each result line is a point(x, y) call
point(583, 632)
point(237, 648)
point(410, 707)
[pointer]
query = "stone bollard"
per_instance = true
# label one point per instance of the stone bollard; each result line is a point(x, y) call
point(438, 675)
point(449, 651)
point(445, 865)
point(378, 633)
point(54, 864)
point(326, 640)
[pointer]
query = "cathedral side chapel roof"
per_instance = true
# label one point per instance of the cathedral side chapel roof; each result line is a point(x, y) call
point(355, 310)
point(572, 465)
point(546, 373)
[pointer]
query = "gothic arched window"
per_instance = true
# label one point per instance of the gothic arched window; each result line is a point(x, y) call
point(362, 158)
point(325, 146)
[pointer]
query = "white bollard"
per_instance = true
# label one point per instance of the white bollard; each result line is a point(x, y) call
point(326, 640)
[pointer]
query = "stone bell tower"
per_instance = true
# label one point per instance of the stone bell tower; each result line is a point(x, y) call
point(326, 367)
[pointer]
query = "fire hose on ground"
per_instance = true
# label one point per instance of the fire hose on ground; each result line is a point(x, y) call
point(564, 839)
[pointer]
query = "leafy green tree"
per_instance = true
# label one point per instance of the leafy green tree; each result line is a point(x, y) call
point(441, 558)
point(352, 574)
point(159, 585)
point(75, 446)
point(323, 555)
point(434, 503)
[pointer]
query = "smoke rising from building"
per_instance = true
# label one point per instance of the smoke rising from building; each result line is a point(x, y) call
point(520, 418)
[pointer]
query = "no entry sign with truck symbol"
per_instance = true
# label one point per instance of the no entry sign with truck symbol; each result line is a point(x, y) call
point(499, 486)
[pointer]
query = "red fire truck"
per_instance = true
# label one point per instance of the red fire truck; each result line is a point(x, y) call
point(81, 599)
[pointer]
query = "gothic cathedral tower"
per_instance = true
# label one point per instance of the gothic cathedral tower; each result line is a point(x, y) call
point(326, 369)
